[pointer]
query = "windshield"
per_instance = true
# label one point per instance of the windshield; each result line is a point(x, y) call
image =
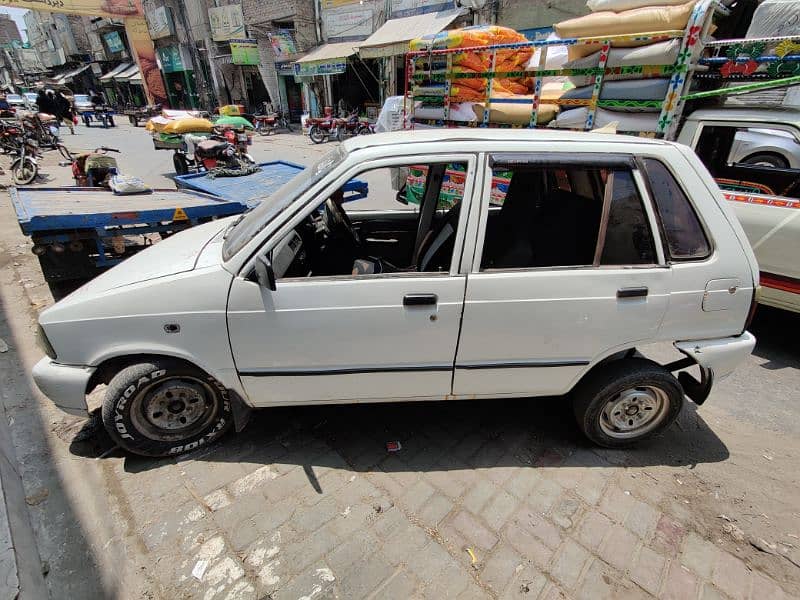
point(254, 221)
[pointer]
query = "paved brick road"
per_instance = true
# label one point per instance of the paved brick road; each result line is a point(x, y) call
point(486, 499)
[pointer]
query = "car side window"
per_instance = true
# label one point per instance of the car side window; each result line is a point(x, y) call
point(566, 216)
point(685, 237)
point(400, 220)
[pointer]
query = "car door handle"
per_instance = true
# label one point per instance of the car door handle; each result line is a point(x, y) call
point(632, 292)
point(419, 299)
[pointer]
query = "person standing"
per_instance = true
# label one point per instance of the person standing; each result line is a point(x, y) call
point(65, 112)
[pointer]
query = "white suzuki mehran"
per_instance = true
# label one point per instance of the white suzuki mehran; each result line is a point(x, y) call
point(492, 263)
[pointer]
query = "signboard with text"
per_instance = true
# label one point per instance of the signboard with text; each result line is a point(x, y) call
point(114, 42)
point(321, 68)
point(348, 23)
point(171, 59)
point(159, 23)
point(283, 45)
point(244, 52)
point(226, 22)
point(406, 8)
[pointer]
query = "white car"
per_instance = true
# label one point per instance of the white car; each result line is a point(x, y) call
point(519, 264)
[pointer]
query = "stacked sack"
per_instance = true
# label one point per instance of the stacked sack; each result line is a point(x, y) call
point(467, 95)
point(171, 125)
point(623, 17)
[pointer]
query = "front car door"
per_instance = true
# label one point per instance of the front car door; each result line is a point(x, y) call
point(565, 272)
point(339, 337)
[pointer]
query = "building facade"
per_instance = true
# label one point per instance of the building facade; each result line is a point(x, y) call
point(9, 32)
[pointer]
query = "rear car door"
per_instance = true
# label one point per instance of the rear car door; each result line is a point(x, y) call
point(566, 271)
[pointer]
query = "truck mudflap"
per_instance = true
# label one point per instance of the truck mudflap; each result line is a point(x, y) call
point(717, 358)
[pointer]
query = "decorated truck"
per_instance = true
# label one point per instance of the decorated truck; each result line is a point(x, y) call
point(612, 70)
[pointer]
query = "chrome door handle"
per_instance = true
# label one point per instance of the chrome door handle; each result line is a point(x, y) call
point(419, 299)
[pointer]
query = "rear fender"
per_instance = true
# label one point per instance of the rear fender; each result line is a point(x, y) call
point(717, 359)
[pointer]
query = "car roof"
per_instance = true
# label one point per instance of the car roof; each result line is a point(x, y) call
point(468, 134)
point(775, 115)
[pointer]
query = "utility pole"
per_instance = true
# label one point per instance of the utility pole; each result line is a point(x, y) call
point(208, 95)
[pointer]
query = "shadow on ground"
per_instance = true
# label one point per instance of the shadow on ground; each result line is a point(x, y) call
point(772, 328)
point(435, 436)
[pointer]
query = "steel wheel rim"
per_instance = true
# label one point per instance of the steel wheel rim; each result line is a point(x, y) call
point(161, 413)
point(634, 412)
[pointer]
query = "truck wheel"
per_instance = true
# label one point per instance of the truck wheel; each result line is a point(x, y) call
point(767, 160)
point(164, 407)
point(626, 401)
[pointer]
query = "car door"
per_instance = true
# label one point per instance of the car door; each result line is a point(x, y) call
point(566, 272)
point(350, 337)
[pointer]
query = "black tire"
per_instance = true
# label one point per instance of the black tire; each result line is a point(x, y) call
point(181, 164)
point(340, 134)
point(767, 160)
point(23, 171)
point(289, 127)
point(364, 130)
point(316, 134)
point(261, 129)
point(147, 406)
point(637, 383)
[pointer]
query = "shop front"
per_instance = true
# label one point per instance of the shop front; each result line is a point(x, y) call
point(110, 89)
point(178, 76)
point(131, 93)
point(390, 42)
point(330, 77)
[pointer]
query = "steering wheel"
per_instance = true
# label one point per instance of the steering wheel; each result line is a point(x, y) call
point(338, 223)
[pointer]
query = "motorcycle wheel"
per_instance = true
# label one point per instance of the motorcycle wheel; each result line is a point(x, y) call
point(316, 134)
point(340, 134)
point(24, 171)
point(261, 129)
point(364, 130)
point(289, 127)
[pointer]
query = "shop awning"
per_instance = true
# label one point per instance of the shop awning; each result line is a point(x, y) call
point(115, 71)
point(67, 77)
point(327, 59)
point(393, 36)
point(126, 75)
point(136, 79)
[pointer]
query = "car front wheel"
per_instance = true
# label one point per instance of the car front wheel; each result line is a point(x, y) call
point(627, 401)
point(165, 407)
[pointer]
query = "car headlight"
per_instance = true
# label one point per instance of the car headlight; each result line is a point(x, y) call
point(44, 343)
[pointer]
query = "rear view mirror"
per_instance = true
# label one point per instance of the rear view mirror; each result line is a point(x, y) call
point(264, 273)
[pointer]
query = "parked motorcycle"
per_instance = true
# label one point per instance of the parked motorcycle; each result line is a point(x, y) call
point(10, 138)
point(240, 140)
point(25, 167)
point(44, 127)
point(200, 153)
point(272, 122)
point(324, 129)
point(94, 169)
point(352, 126)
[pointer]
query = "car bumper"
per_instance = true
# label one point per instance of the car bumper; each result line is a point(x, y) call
point(721, 355)
point(65, 385)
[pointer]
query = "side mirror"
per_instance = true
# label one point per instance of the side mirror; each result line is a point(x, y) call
point(264, 273)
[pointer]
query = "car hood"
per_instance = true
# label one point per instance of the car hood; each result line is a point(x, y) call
point(175, 254)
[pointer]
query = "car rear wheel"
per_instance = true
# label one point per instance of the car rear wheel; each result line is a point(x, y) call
point(627, 401)
point(767, 160)
point(165, 407)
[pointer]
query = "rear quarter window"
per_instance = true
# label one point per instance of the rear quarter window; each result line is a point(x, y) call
point(684, 234)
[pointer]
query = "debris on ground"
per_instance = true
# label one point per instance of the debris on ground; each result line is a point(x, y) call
point(37, 497)
point(3, 345)
point(472, 556)
point(774, 549)
point(734, 531)
point(199, 569)
point(345, 512)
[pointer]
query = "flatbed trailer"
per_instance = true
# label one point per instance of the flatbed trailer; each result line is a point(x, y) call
point(250, 189)
point(80, 232)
